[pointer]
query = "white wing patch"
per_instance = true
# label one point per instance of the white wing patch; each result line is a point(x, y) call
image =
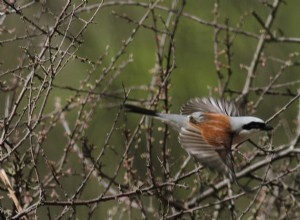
point(207, 155)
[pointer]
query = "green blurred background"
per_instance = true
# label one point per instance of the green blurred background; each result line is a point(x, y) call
point(194, 75)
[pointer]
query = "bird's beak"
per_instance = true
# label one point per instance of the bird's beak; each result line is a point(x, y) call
point(267, 128)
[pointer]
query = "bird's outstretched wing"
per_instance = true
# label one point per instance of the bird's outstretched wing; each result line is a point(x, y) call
point(209, 104)
point(216, 158)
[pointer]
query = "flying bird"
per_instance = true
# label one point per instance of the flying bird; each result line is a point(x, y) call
point(208, 129)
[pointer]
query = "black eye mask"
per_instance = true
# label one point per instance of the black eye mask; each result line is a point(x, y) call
point(257, 125)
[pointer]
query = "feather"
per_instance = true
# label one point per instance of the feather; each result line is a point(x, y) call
point(215, 158)
point(139, 110)
point(209, 104)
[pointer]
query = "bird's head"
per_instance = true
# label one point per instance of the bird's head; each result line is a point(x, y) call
point(245, 126)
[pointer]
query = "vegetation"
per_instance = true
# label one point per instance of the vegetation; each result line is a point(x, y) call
point(68, 149)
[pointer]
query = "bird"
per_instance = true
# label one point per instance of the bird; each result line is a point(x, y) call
point(209, 128)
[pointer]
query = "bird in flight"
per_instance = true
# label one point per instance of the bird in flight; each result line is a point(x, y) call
point(208, 129)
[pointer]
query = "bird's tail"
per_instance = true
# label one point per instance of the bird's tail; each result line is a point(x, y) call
point(140, 110)
point(176, 121)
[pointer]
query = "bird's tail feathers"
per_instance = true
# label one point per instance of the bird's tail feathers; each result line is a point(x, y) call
point(140, 110)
